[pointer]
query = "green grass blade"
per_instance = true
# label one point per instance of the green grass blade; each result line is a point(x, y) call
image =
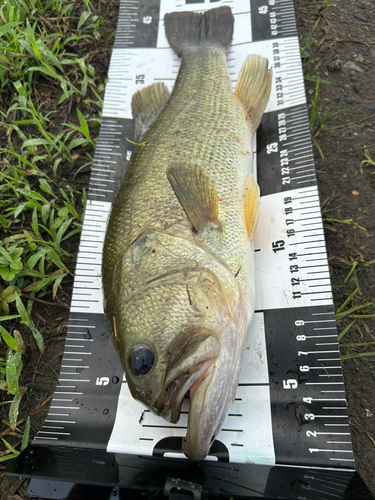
point(345, 330)
point(26, 434)
point(22, 311)
point(14, 410)
point(11, 373)
point(8, 339)
point(10, 447)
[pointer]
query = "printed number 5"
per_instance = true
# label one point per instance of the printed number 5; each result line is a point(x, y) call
point(102, 381)
point(291, 383)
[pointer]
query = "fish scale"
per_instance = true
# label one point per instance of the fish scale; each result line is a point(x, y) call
point(287, 180)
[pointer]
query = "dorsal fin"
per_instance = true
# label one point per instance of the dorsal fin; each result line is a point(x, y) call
point(146, 105)
point(253, 88)
point(197, 195)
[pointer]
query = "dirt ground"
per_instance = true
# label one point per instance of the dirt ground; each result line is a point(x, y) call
point(344, 54)
point(345, 50)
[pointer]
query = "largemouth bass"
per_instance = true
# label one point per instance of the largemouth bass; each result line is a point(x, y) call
point(178, 260)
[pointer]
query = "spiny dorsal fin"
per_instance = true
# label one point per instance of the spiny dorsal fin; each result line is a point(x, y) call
point(197, 195)
point(253, 88)
point(251, 200)
point(189, 29)
point(146, 106)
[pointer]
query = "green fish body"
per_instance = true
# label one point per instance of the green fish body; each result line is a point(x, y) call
point(178, 259)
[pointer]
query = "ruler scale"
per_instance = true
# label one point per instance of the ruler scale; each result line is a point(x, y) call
point(290, 405)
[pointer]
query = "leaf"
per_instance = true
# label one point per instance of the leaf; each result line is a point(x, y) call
point(8, 318)
point(38, 338)
point(44, 186)
point(14, 410)
point(16, 265)
point(345, 330)
point(26, 434)
point(6, 274)
point(28, 193)
point(19, 340)
point(62, 230)
point(84, 125)
point(83, 18)
point(34, 223)
point(36, 142)
point(57, 283)
point(32, 261)
point(63, 212)
point(5, 254)
point(8, 339)
point(4, 29)
point(3, 385)
point(9, 293)
point(55, 259)
point(77, 142)
point(72, 210)
point(19, 209)
point(11, 373)
point(10, 447)
point(15, 252)
point(4, 308)
point(22, 311)
point(8, 457)
point(45, 212)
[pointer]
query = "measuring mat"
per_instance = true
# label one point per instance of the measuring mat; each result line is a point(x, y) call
point(290, 405)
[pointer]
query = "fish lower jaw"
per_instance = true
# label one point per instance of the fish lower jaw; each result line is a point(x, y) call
point(180, 387)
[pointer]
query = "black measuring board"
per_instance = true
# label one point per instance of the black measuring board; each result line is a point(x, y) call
point(89, 359)
point(272, 19)
point(137, 24)
point(307, 388)
point(284, 146)
point(95, 467)
point(111, 157)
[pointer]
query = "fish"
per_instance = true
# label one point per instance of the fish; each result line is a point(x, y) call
point(178, 256)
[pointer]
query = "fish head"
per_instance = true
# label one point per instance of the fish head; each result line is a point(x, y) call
point(181, 332)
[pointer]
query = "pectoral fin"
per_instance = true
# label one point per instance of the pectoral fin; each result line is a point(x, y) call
point(253, 88)
point(197, 195)
point(146, 106)
point(251, 199)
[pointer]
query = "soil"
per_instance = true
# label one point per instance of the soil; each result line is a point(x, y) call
point(344, 54)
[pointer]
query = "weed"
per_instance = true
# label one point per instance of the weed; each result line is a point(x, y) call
point(318, 122)
point(42, 142)
point(354, 309)
point(368, 162)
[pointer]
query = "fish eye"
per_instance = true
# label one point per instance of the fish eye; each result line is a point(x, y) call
point(141, 359)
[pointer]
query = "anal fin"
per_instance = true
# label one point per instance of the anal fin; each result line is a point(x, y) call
point(146, 105)
point(253, 88)
point(197, 195)
point(251, 200)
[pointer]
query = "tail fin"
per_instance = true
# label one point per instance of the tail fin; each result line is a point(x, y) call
point(189, 29)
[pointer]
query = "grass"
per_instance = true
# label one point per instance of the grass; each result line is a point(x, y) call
point(368, 162)
point(318, 120)
point(354, 307)
point(50, 105)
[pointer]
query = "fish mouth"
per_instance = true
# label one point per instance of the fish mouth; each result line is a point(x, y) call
point(211, 397)
point(189, 365)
